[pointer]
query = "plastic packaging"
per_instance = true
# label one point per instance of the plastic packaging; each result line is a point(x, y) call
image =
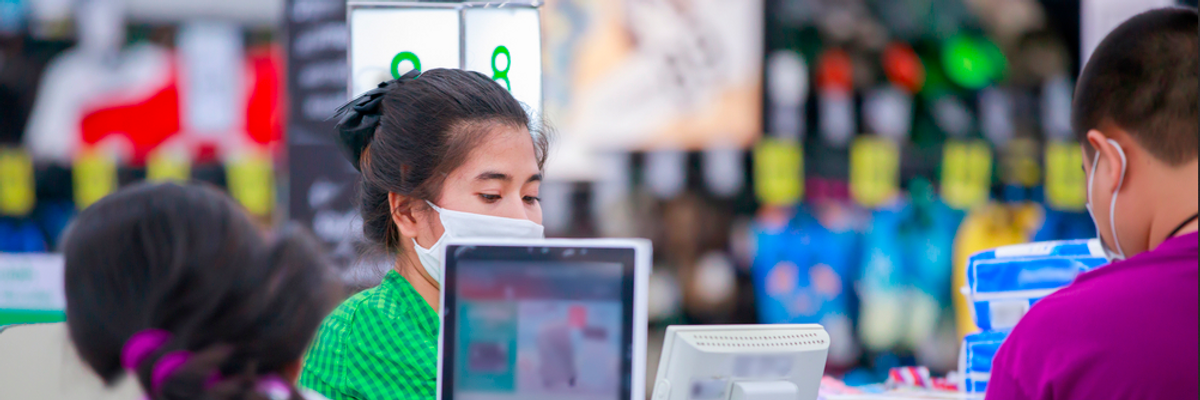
point(1003, 283)
point(975, 359)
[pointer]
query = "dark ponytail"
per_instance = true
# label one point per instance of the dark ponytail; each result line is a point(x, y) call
point(232, 307)
point(409, 134)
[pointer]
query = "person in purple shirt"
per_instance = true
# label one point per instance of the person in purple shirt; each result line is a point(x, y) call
point(1127, 330)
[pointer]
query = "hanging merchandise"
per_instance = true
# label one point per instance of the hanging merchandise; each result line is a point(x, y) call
point(52, 218)
point(1066, 194)
point(835, 82)
point(836, 256)
point(1066, 184)
point(21, 236)
point(903, 67)
point(927, 239)
point(987, 227)
point(169, 164)
point(714, 285)
point(666, 173)
point(802, 272)
point(94, 176)
point(664, 299)
point(972, 62)
point(17, 192)
point(787, 90)
point(613, 204)
point(131, 95)
point(1056, 107)
point(251, 181)
point(882, 284)
point(778, 172)
point(12, 17)
point(996, 116)
point(966, 173)
point(1065, 225)
point(50, 19)
point(211, 61)
point(724, 170)
point(874, 171)
point(888, 112)
point(556, 203)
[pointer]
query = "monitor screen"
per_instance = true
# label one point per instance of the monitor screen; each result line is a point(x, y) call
point(545, 323)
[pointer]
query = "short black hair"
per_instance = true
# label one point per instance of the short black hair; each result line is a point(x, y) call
point(1143, 78)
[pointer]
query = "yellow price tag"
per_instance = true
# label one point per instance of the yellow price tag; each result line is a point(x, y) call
point(252, 182)
point(164, 165)
point(1066, 184)
point(966, 173)
point(1021, 166)
point(95, 176)
point(778, 172)
point(874, 170)
point(17, 194)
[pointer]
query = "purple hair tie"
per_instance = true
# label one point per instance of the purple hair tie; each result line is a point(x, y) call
point(274, 388)
point(141, 345)
point(166, 366)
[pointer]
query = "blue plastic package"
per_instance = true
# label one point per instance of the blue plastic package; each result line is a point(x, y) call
point(1003, 283)
point(975, 359)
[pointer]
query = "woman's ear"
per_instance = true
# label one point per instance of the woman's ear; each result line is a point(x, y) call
point(403, 214)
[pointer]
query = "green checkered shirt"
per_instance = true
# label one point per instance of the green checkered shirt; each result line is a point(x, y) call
point(379, 344)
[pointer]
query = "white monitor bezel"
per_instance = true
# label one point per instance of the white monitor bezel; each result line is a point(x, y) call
point(642, 263)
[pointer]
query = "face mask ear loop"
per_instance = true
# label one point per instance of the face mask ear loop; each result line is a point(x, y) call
point(1112, 207)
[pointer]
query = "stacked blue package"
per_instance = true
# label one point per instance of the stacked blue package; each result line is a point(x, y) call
point(1003, 283)
point(975, 359)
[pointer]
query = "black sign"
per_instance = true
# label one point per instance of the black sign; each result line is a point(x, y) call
point(322, 185)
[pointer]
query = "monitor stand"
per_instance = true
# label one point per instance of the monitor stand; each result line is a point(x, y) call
point(765, 390)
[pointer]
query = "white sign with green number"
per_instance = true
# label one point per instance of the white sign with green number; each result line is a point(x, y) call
point(501, 40)
point(31, 288)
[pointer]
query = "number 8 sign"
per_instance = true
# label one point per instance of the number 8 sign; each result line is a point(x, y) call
point(505, 44)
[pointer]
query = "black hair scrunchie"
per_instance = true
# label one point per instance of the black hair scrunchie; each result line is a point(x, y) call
point(360, 118)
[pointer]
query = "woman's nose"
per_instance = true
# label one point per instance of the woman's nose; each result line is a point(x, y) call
point(514, 208)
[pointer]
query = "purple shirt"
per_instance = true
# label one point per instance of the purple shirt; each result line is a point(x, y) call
point(1127, 330)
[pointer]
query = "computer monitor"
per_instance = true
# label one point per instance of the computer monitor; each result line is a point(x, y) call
point(544, 319)
point(741, 362)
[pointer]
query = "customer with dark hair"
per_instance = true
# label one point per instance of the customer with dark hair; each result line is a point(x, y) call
point(176, 286)
point(443, 154)
point(1127, 330)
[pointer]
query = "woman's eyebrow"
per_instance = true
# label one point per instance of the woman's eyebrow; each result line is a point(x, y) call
point(494, 176)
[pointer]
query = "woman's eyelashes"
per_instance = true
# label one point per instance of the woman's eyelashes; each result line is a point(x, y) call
point(493, 198)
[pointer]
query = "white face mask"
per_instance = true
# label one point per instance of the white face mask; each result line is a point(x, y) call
point(464, 225)
point(1112, 207)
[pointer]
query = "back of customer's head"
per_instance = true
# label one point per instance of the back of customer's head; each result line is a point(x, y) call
point(1136, 114)
point(176, 285)
point(1142, 79)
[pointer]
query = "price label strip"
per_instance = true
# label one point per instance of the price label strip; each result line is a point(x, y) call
point(874, 170)
point(95, 176)
point(1066, 184)
point(778, 172)
point(1021, 164)
point(163, 166)
point(17, 193)
point(966, 173)
point(252, 182)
